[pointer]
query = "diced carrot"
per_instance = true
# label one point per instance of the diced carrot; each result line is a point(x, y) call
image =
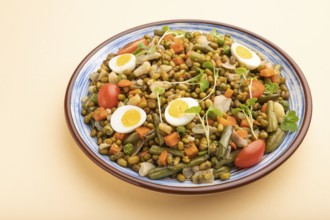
point(229, 120)
point(124, 83)
point(172, 139)
point(191, 150)
point(268, 72)
point(114, 149)
point(210, 121)
point(131, 47)
point(177, 46)
point(188, 54)
point(232, 145)
point(163, 158)
point(264, 108)
point(142, 131)
point(120, 136)
point(242, 133)
point(134, 91)
point(229, 93)
point(168, 37)
point(276, 78)
point(245, 123)
point(100, 114)
point(178, 60)
point(143, 153)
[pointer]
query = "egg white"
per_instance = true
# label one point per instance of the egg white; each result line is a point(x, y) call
point(250, 63)
point(185, 118)
point(129, 66)
point(116, 119)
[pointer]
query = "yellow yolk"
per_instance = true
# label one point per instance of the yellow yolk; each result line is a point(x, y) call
point(123, 59)
point(177, 108)
point(131, 118)
point(243, 52)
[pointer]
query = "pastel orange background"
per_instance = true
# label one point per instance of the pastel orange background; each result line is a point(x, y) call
point(45, 175)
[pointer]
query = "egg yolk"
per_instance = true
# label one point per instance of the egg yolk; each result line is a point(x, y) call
point(243, 52)
point(131, 118)
point(123, 59)
point(177, 108)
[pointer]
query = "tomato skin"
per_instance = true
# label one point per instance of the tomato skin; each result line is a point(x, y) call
point(108, 95)
point(132, 46)
point(251, 154)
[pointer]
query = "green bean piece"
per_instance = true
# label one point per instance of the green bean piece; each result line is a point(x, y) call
point(285, 104)
point(108, 130)
point(272, 119)
point(224, 141)
point(165, 172)
point(229, 161)
point(262, 99)
point(128, 149)
point(132, 139)
point(181, 130)
point(226, 49)
point(161, 174)
point(159, 32)
point(156, 121)
point(274, 140)
point(203, 47)
point(158, 150)
point(197, 57)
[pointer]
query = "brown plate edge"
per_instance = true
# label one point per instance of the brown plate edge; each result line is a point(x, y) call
point(202, 189)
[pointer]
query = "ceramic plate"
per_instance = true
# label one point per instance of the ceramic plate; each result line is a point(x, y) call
point(300, 100)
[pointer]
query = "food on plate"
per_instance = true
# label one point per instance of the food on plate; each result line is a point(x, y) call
point(194, 106)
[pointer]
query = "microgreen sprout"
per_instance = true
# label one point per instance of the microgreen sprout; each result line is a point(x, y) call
point(212, 112)
point(159, 91)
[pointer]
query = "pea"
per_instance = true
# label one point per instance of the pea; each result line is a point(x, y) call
point(202, 95)
point(122, 162)
point(121, 97)
point(185, 140)
point(180, 145)
point(208, 103)
point(133, 160)
point(176, 160)
point(147, 156)
point(194, 95)
point(169, 159)
point(264, 123)
point(263, 135)
point(224, 176)
point(180, 177)
point(186, 159)
point(93, 132)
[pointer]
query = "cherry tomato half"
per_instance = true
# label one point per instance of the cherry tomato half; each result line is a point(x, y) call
point(257, 88)
point(251, 154)
point(131, 47)
point(108, 95)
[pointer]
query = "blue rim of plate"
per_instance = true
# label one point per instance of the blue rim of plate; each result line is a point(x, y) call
point(300, 100)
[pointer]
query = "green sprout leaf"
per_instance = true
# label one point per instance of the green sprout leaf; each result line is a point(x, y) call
point(152, 49)
point(141, 46)
point(290, 121)
point(204, 84)
point(165, 28)
point(193, 110)
point(251, 102)
point(159, 90)
point(208, 65)
point(270, 88)
point(241, 71)
point(214, 110)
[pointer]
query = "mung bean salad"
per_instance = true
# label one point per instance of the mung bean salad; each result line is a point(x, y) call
point(187, 105)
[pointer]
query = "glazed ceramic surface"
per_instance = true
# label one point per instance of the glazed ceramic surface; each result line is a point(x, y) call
point(300, 101)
